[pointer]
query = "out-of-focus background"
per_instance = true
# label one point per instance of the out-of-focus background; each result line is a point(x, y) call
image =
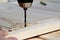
point(34, 0)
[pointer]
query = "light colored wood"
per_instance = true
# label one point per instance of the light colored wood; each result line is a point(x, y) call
point(35, 39)
point(38, 29)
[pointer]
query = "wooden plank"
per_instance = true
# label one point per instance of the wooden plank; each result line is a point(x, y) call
point(36, 30)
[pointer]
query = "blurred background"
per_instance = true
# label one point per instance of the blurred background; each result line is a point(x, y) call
point(58, 1)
